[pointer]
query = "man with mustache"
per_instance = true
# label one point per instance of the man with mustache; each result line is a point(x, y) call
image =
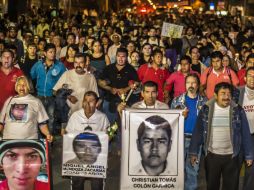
point(191, 102)
point(223, 128)
point(79, 80)
point(154, 144)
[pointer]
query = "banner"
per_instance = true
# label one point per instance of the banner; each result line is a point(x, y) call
point(171, 30)
point(25, 164)
point(152, 149)
point(85, 154)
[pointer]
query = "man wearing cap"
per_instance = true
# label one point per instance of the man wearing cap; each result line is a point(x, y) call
point(15, 41)
point(116, 38)
point(21, 161)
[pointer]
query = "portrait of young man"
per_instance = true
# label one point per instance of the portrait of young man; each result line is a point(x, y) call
point(21, 161)
point(87, 147)
point(154, 139)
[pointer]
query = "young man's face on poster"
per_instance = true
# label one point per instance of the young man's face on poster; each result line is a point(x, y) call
point(87, 150)
point(21, 167)
point(154, 146)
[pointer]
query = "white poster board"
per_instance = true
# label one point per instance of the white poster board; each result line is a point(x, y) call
point(171, 30)
point(87, 157)
point(146, 162)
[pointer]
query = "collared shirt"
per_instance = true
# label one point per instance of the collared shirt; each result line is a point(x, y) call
point(147, 73)
point(157, 105)
point(118, 79)
point(214, 78)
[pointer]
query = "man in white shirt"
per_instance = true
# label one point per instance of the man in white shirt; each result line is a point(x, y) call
point(79, 81)
point(149, 94)
point(246, 100)
point(88, 118)
point(116, 38)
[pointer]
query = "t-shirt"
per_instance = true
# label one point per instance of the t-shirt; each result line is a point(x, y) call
point(78, 122)
point(157, 105)
point(248, 106)
point(79, 84)
point(220, 137)
point(213, 78)
point(21, 116)
point(190, 121)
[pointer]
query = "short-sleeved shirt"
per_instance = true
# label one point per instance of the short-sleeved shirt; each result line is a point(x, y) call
point(80, 84)
point(214, 78)
point(147, 73)
point(78, 122)
point(21, 116)
point(118, 79)
point(7, 83)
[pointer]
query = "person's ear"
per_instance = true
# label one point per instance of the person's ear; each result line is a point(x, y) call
point(245, 79)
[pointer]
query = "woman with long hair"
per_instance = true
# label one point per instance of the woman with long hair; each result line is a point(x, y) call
point(68, 60)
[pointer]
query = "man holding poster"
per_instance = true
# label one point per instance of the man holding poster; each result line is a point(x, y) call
point(21, 161)
point(154, 144)
point(87, 145)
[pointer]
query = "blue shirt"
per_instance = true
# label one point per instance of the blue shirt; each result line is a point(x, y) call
point(190, 121)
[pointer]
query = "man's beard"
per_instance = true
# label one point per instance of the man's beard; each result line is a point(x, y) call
point(191, 90)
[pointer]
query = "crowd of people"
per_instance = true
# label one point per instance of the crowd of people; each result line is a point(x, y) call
point(59, 73)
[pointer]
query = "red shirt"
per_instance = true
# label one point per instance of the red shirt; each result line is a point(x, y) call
point(67, 64)
point(39, 185)
point(241, 74)
point(7, 84)
point(215, 78)
point(147, 73)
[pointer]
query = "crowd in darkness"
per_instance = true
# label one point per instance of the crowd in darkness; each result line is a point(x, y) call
point(57, 72)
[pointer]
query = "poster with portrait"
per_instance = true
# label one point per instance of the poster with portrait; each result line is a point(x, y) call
point(25, 164)
point(152, 149)
point(171, 30)
point(85, 154)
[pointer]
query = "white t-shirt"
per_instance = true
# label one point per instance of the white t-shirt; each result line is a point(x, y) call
point(248, 106)
point(79, 84)
point(21, 116)
point(78, 122)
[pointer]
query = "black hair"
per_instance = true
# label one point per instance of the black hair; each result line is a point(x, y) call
point(250, 57)
point(217, 54)
point(158, 121)
point(150, 84)
point(156, 51)
point(249, 69)
point(223, 85)
point(91, 93)
point(49, 46)
point(186, 57)
point(122, 50)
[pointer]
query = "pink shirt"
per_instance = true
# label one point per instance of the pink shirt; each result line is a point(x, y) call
point(178, 80)
point(215, 78)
